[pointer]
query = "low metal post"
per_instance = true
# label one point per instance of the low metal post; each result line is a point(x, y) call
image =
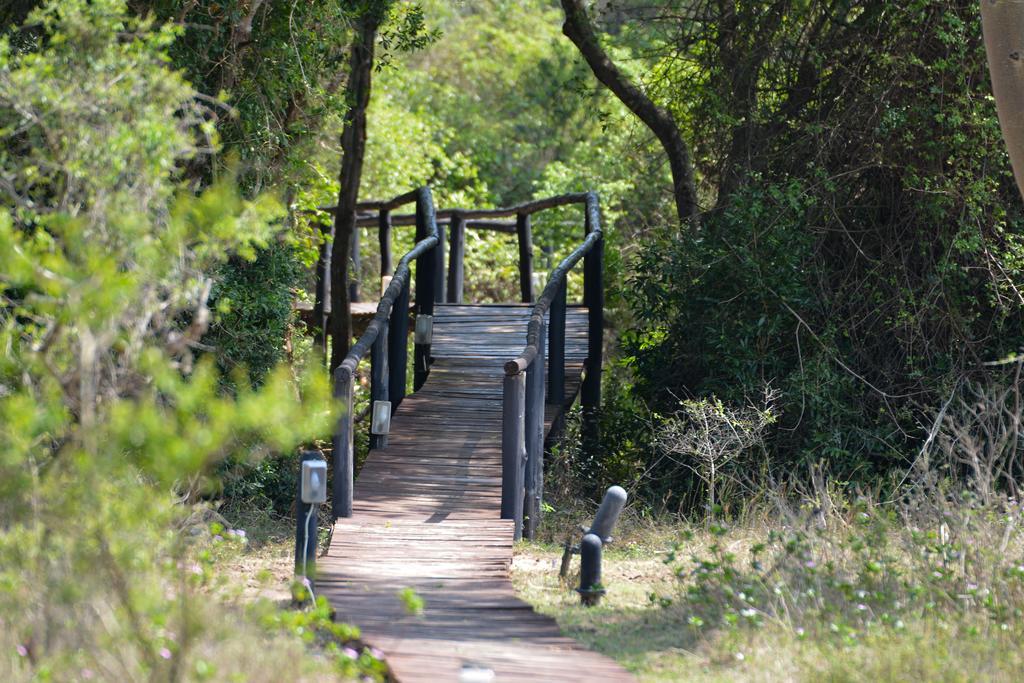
point(513, 449)
point(590, 589)
point(608, 513)
point(344, 466)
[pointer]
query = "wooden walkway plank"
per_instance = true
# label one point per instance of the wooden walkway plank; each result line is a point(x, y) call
point(426, 517)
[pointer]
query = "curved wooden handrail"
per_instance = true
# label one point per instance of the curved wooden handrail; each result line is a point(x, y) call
point(555, 280)
point(375, 341)
point(425, 203)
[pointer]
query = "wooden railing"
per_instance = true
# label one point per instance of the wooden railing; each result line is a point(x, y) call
point(525, 392)
point(386, 339)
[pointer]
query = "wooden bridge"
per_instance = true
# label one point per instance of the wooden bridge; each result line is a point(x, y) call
point(457, 476)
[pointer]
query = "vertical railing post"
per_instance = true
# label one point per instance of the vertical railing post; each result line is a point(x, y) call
point(398, 347)
point(593, 299)
point(379, 380)
point(556, 347)
point(344, 467)
point(426, 267)
point(525, 236)
point(353, 285)
point(457, 239)
point(535, 438)
point(384, 241)
point(513, 449)
point(439, 271)
point(323, 288)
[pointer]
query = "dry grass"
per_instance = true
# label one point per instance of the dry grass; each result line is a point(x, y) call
point(658, 642)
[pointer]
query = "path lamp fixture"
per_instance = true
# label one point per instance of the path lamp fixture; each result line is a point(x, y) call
point(312, 492)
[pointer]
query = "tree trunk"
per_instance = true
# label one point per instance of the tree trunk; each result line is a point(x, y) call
point(1002, 22)
point(578, 29)
point(353, 149)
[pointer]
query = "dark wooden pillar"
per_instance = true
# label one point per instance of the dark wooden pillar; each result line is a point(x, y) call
point(593, 299)
point(456, 256)
point(524, 233)
point(344, 467)
point(398, 347)
point(384, 240)
point(513, 449)
point(323, 289)
point(439, 271)
point(426, 281)
point(556, 348)
point(353, 284)
point(534, 433)
point(379, 380)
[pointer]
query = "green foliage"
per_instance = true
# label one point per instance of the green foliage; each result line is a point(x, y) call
point(411, 601)
point(866, 577)
point(109, 428)
point(254, 304)
point(864, 250)
point(339, 642)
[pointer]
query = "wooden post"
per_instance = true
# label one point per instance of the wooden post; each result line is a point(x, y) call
point(457, 238)
point(398, 347)
point(513, 447)
point(439, 271)
point(353, 285)
point(556, 348)
point(535, 438)
point(379, 380)
point(593, 298)
point(524, 233)
point(426, 266)
point(344, 466)
point(323, 289)
point(384, 240)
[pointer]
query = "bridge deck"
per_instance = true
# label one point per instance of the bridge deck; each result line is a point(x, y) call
point(426, 517)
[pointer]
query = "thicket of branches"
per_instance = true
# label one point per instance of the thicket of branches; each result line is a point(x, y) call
point(859, 243)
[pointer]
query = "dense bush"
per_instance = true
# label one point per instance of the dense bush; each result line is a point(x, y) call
point(110, 427)
point(867, 254)
point(254, 300)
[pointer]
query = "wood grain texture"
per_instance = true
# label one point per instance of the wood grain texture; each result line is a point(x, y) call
point(426, 516)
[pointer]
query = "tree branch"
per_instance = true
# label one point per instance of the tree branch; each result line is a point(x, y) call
point(580, 31)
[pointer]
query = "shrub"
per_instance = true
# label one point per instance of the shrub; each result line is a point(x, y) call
point(109, 426)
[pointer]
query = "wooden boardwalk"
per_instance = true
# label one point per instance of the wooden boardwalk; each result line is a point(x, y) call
point(426, 517)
